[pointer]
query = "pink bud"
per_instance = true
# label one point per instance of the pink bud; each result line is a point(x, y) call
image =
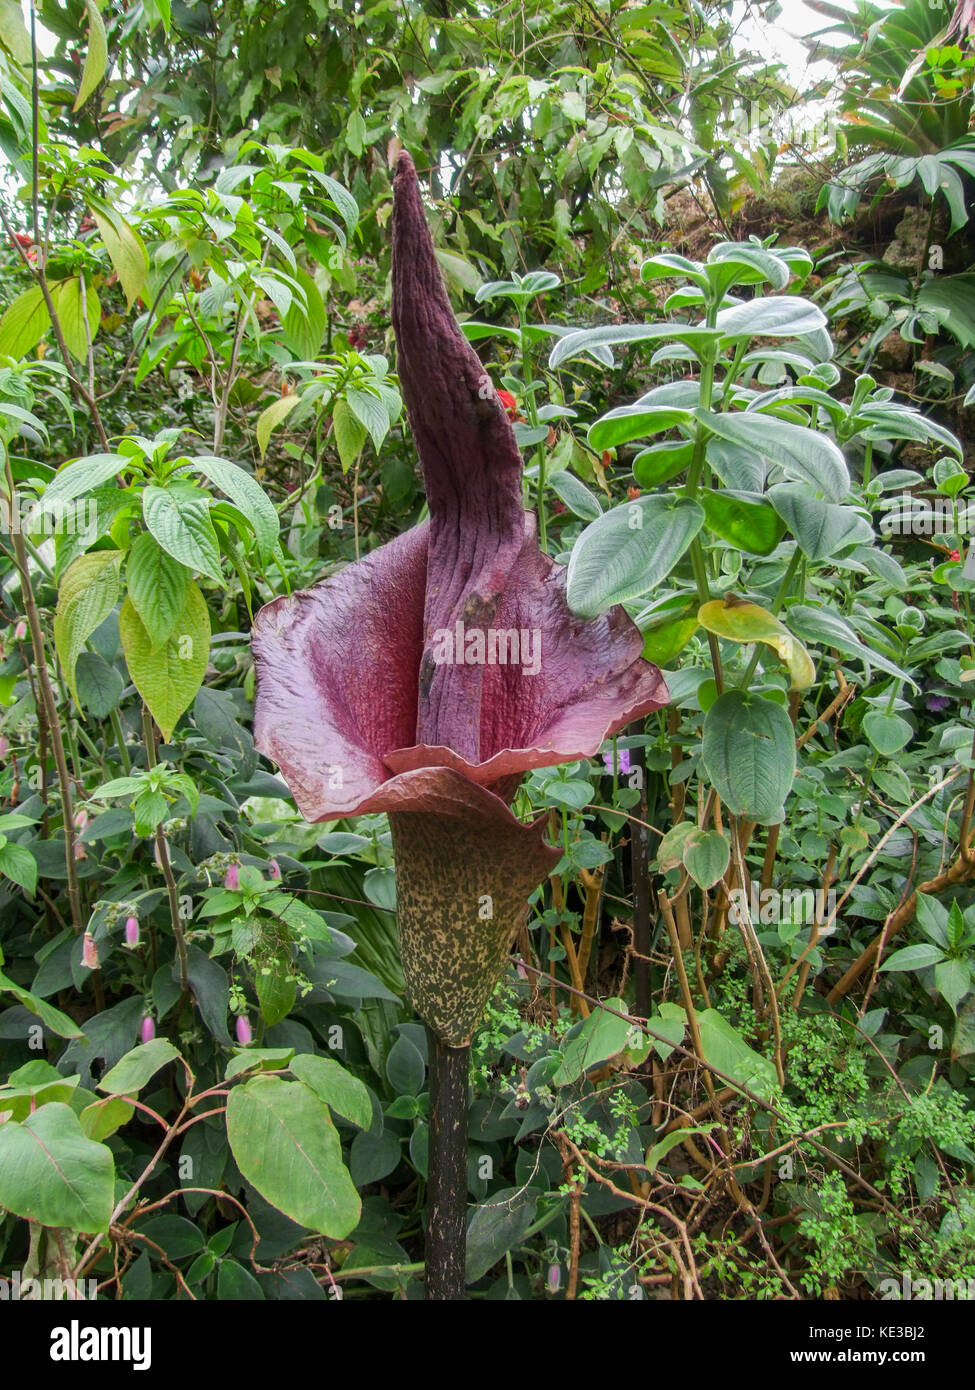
point(20, 631)
point(148, 1030)
point(89, 952)
point(244, 1033)
point(554, 1280)
point(80, 819)
point(79, 850)
point(131, 931)
point(232, 878)
point(4, 745)
point(275, 869)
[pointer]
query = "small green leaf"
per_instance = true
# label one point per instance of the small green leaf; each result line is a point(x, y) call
point(96, 59)
point(137, 1067)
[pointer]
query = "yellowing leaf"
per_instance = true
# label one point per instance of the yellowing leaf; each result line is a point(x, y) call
point(127, 253)
point(87, 595)
point(747, 622)
point(168, 677)
point(24, 323)
point(66, 298)
point(270, 418)
point(96, 59)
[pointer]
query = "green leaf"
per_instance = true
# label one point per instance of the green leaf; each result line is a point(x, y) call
point(157, 586)
point(99, 685)
point(96, 59)
point(88, 593)
point(917, 957)
point(304, 328)
point(241, 487)
point(706, 856)
point(277, 988)
point(78, 320)
point(19, 865)
point(747, 524)
point(137, 1067)
point(802, 454)
point(822, 529)
point(953, 980)
point(370, 411)
point(79, 476)
point(749, 752)
point(629, 550)
point(459, 270)
point(726, 1049)
point(830, 630)
point(496, 1226)
point(127, 252)
point(602, 1035)
point(13, 32)
point(168, 677)
point(887, 732)
point(285, 1144)
point(628, 422)
point(102, 1118)
point(575, 495)
point(181, 524)
point(775, 316)
point(25, 322)
point(51, 1017)
point(350, 434)
point(51, 1173)
point(338, 1088)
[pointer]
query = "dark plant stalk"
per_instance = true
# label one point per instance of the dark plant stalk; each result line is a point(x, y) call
point(446, 1237)
point(640, 875)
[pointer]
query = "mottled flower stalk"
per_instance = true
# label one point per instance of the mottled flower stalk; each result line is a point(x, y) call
point(394, 686)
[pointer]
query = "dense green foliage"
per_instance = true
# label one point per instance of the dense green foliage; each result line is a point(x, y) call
point(735, 1056)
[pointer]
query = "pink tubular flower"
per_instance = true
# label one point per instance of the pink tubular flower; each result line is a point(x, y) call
point(274, 869)
point(231, 878)
point(89, 952)
point(131, 931)
point(20, 631)
point(244, 1031)
point(4, 745)
point(148, 1029)
point(364, 706)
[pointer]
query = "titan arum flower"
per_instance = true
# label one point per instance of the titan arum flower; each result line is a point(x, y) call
point(427, 678)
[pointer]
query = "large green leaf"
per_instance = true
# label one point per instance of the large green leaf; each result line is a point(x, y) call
point(157, 586)
point(601, 1036)
point(285, 1144)
point(25, 322)
point(87, 595)
point(137, 1067)
point(629, 550)
point(803, 454)
point(830, 630)
point(823, 530)
point(726, 1049)
point(749, 753)
point(248, 494)
point(748, 523)
point(776, 316)
point(180, 521)
point(51, 1173)
point(168, 676)
point(337, 1087)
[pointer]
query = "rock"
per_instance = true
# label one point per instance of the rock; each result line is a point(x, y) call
point(906, 251)
point(893, 354)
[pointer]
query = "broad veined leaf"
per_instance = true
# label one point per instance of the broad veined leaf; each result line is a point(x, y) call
point(635, 421)
point(126, 250)
point(25, 322)
point(726, 1049)
point(575, 495)
point(79, 318)
point(587, 339)
point(706, 856)
point(749, 753)
point(79, 476)
point(803, 454)
point(248, 494)
point(748, 523)
point(180, 521)
point(775, 316)
point(887, 731)
point(747, 622)
point(285, 1144)
point(88, 593)
point(601, 1036)
point(168, 676)
point(51, 1173)
point(667, 627)
point(350, 434)
point(661, 462)
point(823, 530)
point(156, 585)
point(629, 550)
point(51, 1017)
point(137, 1067)
point(830, 630)
point(336, 1086)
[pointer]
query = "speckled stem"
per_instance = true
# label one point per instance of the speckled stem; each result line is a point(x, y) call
point(446, 1238)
